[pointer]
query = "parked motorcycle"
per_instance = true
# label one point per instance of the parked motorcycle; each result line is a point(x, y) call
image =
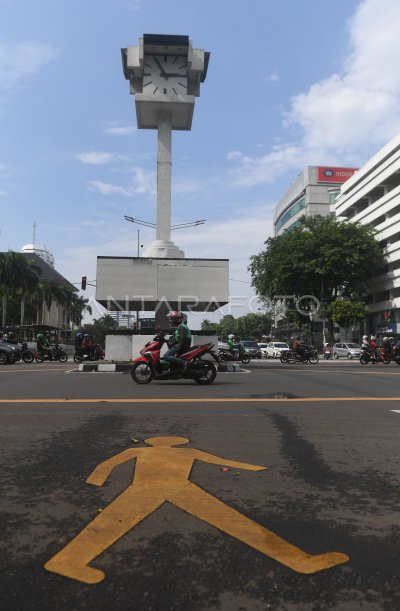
point(26, 355)
point(369, 357)
point(55, 353)
point(151, 366)
point(224, 354)
point(308, 355)
point(82, 355)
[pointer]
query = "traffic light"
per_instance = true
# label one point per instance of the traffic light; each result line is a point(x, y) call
point(83, 283)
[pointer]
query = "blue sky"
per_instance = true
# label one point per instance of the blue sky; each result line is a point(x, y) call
point(290, 84)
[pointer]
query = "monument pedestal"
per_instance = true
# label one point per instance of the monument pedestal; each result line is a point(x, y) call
point(162, 284)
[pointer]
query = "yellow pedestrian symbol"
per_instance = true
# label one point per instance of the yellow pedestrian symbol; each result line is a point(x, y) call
point(162, 475)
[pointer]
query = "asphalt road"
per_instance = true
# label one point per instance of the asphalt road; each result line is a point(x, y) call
point(327, 434)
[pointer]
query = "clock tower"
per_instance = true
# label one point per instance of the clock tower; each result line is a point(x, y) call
point(165, 73)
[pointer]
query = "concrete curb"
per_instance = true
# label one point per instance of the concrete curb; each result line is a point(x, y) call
point(126, 366)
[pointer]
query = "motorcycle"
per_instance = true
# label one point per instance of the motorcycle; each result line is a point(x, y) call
point(327, 353)
point(55, 353)
point(308, 355)
point(224, 354)
point(24, 354)
point(81, 355)
point(151, 366)
point(369, 357)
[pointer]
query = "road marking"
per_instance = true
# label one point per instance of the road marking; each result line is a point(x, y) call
point(207, 400)
point(162, 475)
point(395, 410)
point(32, 370)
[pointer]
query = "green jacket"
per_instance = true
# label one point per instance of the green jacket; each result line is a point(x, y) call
point(188, 334)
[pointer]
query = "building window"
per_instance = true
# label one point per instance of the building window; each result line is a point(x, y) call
point(292, 211)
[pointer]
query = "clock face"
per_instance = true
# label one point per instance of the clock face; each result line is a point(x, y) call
point(165, 74)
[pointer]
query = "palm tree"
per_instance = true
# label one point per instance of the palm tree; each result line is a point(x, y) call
point(76, 309)
point(15, 273)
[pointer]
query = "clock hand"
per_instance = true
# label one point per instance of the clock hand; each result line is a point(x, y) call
point(160, 66)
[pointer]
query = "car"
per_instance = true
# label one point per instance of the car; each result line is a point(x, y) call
point(275, 349)
point(263, 348)
point(252, 348)
point(8, 353)
point(346, 349)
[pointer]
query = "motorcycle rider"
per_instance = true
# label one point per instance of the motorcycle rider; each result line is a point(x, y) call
point(233, 346)
point(87, 347)
point(373, 346)
point(42, 345)
point(296, 345)
point(182, 339)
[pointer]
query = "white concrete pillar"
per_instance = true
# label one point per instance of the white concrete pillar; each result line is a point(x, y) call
point(164, 167)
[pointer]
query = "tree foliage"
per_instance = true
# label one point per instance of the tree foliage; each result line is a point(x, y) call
point(347, 313)
point(250, 326)
point(25, 294)
point(322, 257)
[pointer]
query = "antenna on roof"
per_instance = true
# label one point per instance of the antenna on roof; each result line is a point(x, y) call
point(34, 233)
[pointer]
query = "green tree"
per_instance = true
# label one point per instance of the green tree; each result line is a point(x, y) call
point(15, 274)
point(320, 257)
point(207, 325)
point(347, 313)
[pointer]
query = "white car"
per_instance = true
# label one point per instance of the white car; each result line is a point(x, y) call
point(275, 349)
point(263, 348)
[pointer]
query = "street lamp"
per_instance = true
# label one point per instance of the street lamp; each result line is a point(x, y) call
point(154, 226)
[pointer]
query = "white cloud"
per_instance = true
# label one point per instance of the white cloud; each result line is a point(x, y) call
point(143, 184)
point(120, 131)
point(349, 114)
point(274, 77)
point(95, 157)
point(108, 189)
point(231, 155)
point(3, 193)
point(21, 61)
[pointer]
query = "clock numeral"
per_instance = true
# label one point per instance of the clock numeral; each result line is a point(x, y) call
point(156, 89)
point(175, 91)
point(146, 84)
point(183, 85)
point(165, 91)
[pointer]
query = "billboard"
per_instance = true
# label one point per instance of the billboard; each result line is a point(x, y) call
point(333, 174)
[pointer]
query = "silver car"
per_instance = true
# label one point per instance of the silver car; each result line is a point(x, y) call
point(346, 349)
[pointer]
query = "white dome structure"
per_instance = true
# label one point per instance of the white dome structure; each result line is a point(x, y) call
point(40, 251)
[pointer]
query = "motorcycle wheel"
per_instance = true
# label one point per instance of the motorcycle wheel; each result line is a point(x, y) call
point(142, 373)
point(28, 356)
point(39, 358)
point(283, 358)
point(77, 358)
point(63, 358)
point(364, 360)
point(245, 360)
point(313, 359)
point(386, 360)
point(210, 373)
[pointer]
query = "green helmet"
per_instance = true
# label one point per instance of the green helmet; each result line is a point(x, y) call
point(40, 336)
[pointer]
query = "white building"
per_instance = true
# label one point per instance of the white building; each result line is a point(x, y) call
point(372, 197)
point(313, 192)
point(41, 251)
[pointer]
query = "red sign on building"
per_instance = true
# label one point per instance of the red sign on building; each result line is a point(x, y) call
point(333, 174)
